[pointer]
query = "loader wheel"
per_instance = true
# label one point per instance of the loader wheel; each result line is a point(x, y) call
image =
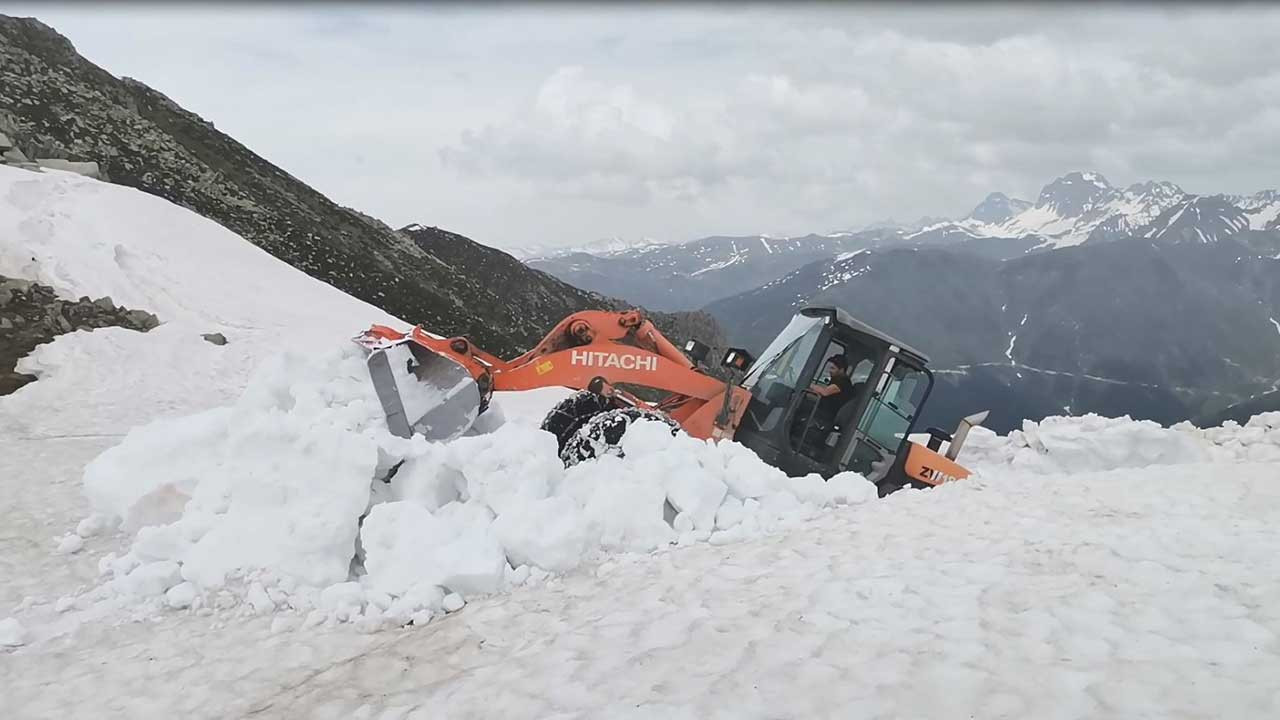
point(572, 413)
point(602, 435)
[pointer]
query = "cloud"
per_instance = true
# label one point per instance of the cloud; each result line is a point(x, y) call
point(563, 124)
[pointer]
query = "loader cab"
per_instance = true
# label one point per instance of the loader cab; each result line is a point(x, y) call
point(864, 428)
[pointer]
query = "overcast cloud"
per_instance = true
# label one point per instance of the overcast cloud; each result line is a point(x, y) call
point(545, 125)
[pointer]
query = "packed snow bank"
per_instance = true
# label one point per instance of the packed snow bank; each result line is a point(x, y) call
point(1082, 444)
point(1092, 443)
point(297, 497)
point(1258, 440)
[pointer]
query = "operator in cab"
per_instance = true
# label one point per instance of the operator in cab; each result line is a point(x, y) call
point(833, 395)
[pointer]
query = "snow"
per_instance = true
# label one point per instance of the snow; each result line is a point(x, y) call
point(733, 260)
point(1276, 323)
point(1131, 208)
point(12, 634)
point(276, 489)
point(69, 543)
point(230, 500)
point(1088, 443)
point(1264, 216)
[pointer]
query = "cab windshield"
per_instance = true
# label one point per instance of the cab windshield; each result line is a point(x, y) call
point(795, 341)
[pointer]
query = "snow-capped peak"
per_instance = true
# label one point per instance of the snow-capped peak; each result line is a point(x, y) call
point(1075, 193)
point(998, 208)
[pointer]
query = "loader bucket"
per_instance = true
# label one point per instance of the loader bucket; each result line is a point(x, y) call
point(423, 392)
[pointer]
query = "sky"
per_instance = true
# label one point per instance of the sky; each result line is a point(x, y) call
point(548, 125)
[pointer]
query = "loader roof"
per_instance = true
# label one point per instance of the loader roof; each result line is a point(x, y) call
point(857, 325)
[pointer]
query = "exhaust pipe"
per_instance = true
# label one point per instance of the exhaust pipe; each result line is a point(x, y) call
point(962, 432)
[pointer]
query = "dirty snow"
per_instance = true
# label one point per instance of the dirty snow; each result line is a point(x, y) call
point(1092, 568)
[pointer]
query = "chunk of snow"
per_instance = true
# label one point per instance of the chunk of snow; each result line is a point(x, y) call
point(91, 525)
point(180, 596)
point(70, 543)
point(12, 633)
point(549, 533)
point(149, 580)
point(453, 602)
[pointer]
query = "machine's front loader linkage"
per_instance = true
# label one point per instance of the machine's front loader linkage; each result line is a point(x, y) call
point(620, 347)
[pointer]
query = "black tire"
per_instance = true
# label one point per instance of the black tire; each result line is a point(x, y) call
point(603, 433)
point(572, 413)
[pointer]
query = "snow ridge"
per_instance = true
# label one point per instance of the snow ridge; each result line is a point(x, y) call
point(1080, 207)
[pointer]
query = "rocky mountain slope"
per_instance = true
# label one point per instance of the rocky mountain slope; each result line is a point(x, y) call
point(55, 103)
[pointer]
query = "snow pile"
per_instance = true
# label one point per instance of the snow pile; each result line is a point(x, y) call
point(1258, 440)
point(1093, 443)
point(1079, 444)
point(279, 502)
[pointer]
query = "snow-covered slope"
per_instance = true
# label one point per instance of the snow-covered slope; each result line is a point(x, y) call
point(86, 237)
point(1131, 589)
point(1200, 219)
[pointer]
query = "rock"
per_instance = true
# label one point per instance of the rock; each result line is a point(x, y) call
point(15, 285)
point(88, 169)
point(215, 338)
point(14, 156)
point(32, 314)
point(141, 319)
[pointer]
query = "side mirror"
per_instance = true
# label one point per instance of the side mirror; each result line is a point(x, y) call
point(737, 359)
point(697, 352)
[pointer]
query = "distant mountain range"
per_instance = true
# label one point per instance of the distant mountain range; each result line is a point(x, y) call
point(1146, 300)
point(1083, 207)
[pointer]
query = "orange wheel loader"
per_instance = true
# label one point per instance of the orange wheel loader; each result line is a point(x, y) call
point(437, 387)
